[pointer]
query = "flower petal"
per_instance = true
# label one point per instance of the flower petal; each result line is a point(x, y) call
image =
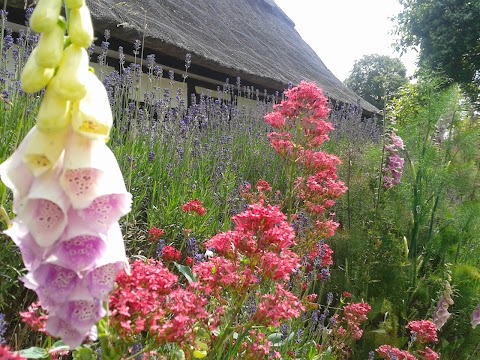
point(32, 254)
point(16, 175)
point(92, 116)
point(100, 281)
point(78, 250)
point(105, 210)
point(90, 171)
point(43, 150)
point(45, 210)
point(70, 335)
point(81, 314)
point(53, 284)
point(54, 112)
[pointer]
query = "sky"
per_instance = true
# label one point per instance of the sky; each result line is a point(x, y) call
point(343, 31)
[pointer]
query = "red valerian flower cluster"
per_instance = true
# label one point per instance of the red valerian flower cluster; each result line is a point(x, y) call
point(6, 354)
point(35, 317)
point(256, 253)
point(171, 254)
point(154, 234)
point(195, 207)
point(388, 352)
point(422, 331)
point(425, 331)
point(429, 354)
point(263, 238)
point(354, 315)
point(277, 307)
point(150, 300)
point(302, 123)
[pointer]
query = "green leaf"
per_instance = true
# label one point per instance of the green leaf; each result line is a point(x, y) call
point(60, 345)
point(34, 353)
point(187, 272)
point(276, 338)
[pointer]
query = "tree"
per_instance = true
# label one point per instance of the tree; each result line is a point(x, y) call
point(375, 77)
point(447, 34)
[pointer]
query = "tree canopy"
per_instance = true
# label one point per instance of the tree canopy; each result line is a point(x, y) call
point(374, 77)
point(447, 34)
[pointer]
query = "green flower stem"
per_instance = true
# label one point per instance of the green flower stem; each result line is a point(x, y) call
point(225, 334)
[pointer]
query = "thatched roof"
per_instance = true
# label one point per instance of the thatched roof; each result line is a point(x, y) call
point(252, 39)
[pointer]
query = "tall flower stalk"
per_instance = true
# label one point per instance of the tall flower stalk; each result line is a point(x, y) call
point(68, 191)
point(303, 127)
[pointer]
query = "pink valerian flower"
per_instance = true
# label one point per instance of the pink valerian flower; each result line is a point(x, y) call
point(35, 317)
point(275, 120)
point(282, 143)
point(319, 162)
point(219, 274)
point(354, 314)
point(6, 354)
point(428, 354)
point(387, 352)
point(424, 330)
point(138, 296)
point(257, 347)
point(319, 259)
point(194, 206)
point(278, 266)
point(269, 226)
point(306, 108)
point(154, 234)
point(150, 301)
point(263, 186)
point(181, 312)
point(277, 307)
point(263, 237)
point(476, 317)
point(262, 195)
point(171, 254)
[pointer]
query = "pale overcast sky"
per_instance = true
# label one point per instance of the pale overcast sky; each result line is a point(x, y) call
point(342, 31)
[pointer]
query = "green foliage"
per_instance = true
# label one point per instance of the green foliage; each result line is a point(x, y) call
point(459, 339)
point(447, 33)
point(376, 78)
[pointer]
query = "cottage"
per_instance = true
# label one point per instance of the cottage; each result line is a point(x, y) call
point(250, 39)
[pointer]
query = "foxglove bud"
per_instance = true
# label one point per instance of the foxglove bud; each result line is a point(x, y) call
point(80, 28)
point(69, 82)
point(92, 116)
point(44, 17)
point(53, 114)
point(35, 77)
point(74, 4)
point(50, 46)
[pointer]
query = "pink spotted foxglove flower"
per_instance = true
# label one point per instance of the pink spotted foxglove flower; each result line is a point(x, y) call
point(476, 317)
point(68, 193)
point(441, 315)
point(393, 168)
